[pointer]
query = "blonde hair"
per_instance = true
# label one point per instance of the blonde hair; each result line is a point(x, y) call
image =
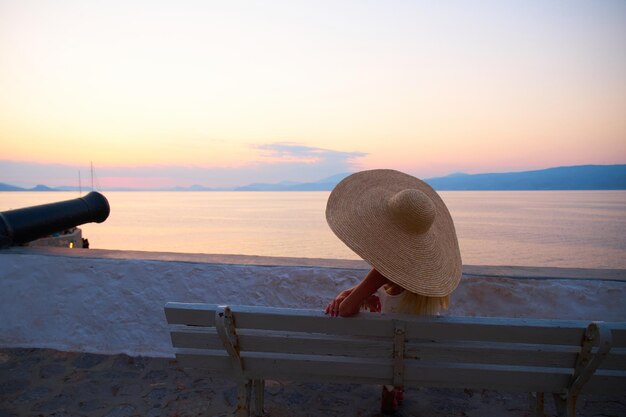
point(412, 303)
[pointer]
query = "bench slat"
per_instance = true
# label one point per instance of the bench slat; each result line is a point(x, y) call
point(463, 352)
point(565, 332)
point(190, 313)
point(301, 367)
point(297, 320)
point(296, 343)
point(201, 338)
point(606, 382)
point(314, 324)
point(619, 334)
point(616, 360)
point(212, 361)
point(518, 331)
point(522, 379)
point(361, 370)
point(556, 356)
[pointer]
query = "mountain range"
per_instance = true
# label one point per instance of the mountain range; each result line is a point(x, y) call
point(581, 177)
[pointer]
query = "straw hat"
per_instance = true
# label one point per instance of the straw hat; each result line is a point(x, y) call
point(400, 226)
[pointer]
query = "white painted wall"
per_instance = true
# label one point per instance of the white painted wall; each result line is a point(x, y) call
point(109, 304)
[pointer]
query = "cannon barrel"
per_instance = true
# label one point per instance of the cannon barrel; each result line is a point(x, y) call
point(23, 225)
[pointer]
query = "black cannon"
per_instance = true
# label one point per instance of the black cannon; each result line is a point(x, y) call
point(23, 225)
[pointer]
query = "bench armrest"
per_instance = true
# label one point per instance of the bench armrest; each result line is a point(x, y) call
point(587, 362)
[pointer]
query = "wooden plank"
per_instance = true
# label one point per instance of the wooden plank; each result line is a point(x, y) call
point(213, 361)
point(293, 367)
point(616, 360)
point(335, 379)
point(367, 324)
point(417, 373)
point(619, 334)
point(316, 322)
point(456, 352)
point(500, 377)
point(606, 382)
point(494, 353)
point(287, 342)
point(190, 313)
point(461, 352)
point(269, 318)
point(315, 344)
point(514, 331)
point(195, 337)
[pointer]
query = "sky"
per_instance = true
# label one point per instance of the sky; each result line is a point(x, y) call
point(157, 94)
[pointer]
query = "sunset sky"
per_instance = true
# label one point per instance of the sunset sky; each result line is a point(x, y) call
point(223, 93)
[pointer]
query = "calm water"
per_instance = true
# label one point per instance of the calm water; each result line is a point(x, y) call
point(538, 228)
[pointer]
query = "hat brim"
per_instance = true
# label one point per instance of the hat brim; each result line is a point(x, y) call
point(426, 263)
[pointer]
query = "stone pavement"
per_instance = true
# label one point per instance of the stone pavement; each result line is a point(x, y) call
point(45, 382)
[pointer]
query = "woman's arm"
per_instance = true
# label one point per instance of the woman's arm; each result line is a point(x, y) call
point(349, 302)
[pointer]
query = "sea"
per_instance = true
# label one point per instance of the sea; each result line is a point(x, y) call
point(579, 229)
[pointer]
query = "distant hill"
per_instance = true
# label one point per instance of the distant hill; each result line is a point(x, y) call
point(325, 184)
point(194, 187)
point(40, 187)
point(581, 177)
point(281, 186)
point(8, 187)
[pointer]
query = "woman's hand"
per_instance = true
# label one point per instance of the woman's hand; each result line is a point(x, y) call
point(333, 307)
point(349, 302)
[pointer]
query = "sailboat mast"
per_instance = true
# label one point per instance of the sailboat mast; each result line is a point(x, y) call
point(91, 175)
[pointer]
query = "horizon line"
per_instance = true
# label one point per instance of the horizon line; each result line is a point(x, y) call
point(322, 183)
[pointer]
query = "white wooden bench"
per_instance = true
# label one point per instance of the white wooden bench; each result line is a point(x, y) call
point(252, 344)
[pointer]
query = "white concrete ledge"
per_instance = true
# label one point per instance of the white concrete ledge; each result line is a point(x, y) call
point(203, 258)
point(530, 272)
point(112, 301)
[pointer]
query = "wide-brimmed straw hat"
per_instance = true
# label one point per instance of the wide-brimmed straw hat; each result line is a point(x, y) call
point(400, 226)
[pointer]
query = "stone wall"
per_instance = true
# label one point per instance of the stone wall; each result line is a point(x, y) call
point(112, 301)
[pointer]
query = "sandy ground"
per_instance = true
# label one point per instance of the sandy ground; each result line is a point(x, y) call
point(45, 382)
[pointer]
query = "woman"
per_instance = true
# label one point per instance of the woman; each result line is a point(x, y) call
point(402, 228)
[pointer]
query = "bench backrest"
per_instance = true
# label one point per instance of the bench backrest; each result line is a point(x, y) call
point(466, 352)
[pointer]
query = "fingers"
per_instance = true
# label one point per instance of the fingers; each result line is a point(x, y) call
point(333, 307)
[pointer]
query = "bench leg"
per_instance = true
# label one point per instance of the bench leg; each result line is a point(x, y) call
point(259, 396)
point(243, 398)
point(565, 405)
point(537, 404)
